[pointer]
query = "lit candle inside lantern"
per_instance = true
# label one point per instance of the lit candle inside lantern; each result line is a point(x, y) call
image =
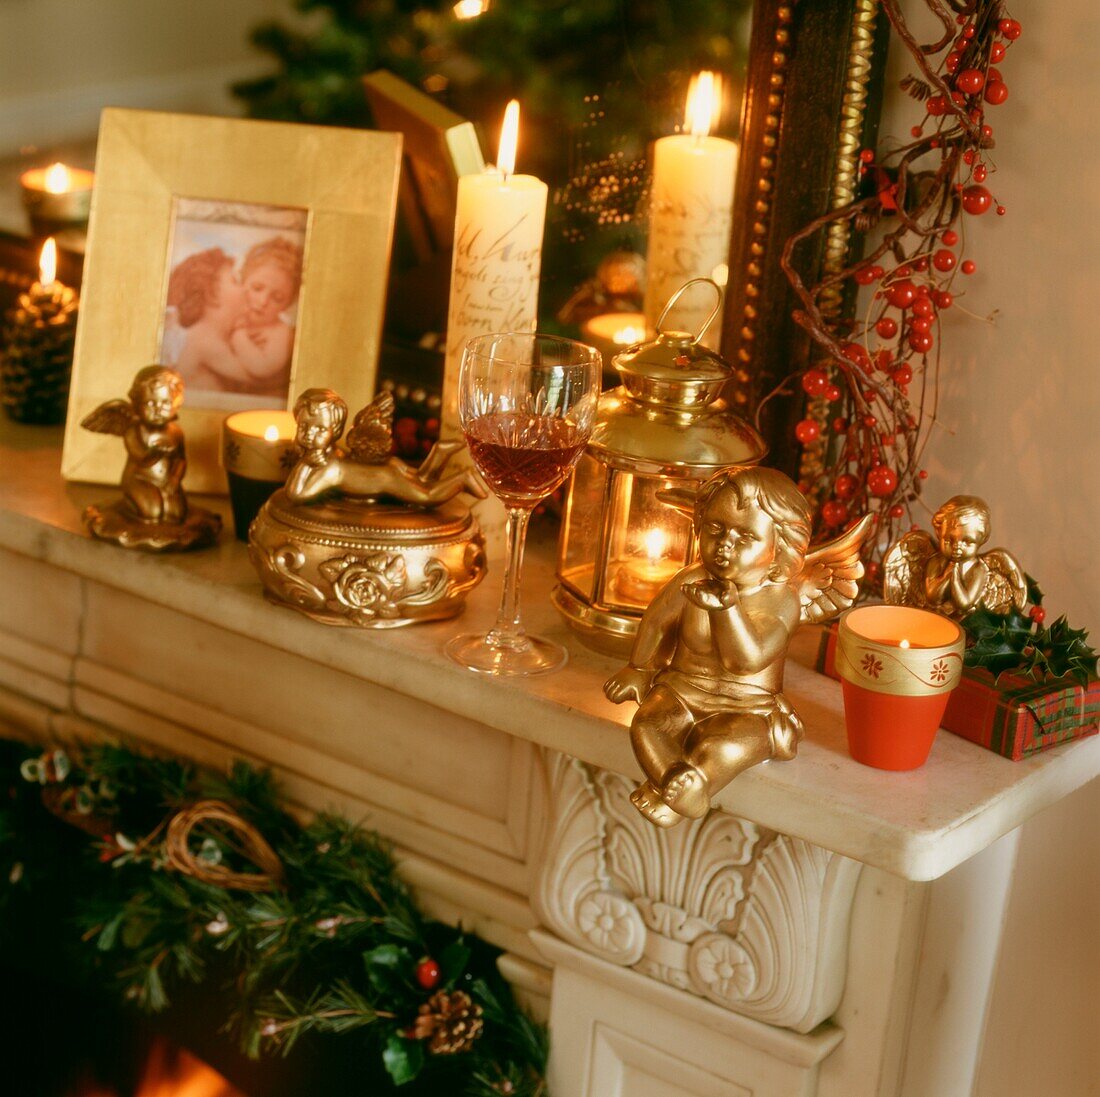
point(38, 337)
point(258, 452)
point(58, 194)
point(497, 258)
point(640, 580)
point(691, 211)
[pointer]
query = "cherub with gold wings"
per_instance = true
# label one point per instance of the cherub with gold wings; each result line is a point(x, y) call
point(367, 469)
point(707, 663)
point(950, 574)
point(154, 513)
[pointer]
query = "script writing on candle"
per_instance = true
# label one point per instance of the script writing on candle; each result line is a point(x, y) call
point(495, 278)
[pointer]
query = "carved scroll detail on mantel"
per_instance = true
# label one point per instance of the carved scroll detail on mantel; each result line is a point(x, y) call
point(754, 920)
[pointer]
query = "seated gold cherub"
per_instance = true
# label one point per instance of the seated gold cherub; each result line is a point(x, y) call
point(951, 575)
point(154, 513)
point(367, 469)
point(707, 663)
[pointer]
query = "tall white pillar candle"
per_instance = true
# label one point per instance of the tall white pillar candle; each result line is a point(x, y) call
point(497, 259)
point(691, 213)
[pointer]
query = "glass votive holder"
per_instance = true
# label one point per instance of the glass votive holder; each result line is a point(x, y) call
point(897, 667)
point(57, 196)
point(258, 452)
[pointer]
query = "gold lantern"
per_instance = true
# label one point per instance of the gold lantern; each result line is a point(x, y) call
point(664, 426)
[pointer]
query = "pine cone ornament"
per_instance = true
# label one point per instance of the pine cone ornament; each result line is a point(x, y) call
point(449, 1022)
point(37, 354)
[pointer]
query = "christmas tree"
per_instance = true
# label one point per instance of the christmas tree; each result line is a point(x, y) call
point(597, 80)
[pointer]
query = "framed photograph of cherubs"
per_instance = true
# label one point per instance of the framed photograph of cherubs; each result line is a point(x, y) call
point(251, 257)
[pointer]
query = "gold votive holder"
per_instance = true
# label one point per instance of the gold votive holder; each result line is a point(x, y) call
point(258, 452)
point(57, 196)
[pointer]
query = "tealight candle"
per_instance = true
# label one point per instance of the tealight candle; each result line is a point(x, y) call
point(640, 580)
point(57, 195)
point(691, 212)
point(258, 452)
point(898, 666)
point(612, 332)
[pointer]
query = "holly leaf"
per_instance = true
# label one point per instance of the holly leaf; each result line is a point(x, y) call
point(403, 1058)
point(1067, 651)
point(388, 968)
point(453, 961)
point(1034, 591)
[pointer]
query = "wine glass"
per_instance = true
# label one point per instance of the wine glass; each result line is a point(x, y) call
point(526, 404)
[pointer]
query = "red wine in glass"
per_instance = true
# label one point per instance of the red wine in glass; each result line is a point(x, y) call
point(523, 457)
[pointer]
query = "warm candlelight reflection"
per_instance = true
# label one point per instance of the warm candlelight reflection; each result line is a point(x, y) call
point(704, 104)
point(470, 9)
point(509, 136)
point(47, 263)
point(610, 332)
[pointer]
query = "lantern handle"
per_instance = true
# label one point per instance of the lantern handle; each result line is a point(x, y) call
point(676, 297)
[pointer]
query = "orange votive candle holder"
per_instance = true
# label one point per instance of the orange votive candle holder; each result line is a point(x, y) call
point(897, 666)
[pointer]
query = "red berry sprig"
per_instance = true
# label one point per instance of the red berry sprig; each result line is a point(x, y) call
point(870, 400)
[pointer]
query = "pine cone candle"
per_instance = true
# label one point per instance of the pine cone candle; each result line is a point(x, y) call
point(449, 1022)
point(37, 348)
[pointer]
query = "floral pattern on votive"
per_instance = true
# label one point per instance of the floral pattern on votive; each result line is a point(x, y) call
point(871, 666)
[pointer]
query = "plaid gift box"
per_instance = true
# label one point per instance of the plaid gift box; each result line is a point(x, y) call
point(1014, 717)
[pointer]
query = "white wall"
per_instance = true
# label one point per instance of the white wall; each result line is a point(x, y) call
point(1021, 411)
point(62, 61)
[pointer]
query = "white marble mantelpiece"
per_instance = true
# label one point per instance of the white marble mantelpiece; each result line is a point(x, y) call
point(916, 825)
point(831, 931)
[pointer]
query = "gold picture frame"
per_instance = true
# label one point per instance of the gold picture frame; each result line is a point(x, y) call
point(335, 188)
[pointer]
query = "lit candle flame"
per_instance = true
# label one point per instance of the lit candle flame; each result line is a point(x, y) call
point(47, 263)
point(271, 433)
point(58, 180)
point(655, 542)
point(903, 644)
point(470, 9)
point(628, 336)
point(704, 103)
point(509, 135)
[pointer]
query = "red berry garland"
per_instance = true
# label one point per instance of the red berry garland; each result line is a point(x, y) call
point(881, 363)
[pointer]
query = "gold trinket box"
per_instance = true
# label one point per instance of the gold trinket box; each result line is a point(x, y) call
point(357, 537)
point(380, 566)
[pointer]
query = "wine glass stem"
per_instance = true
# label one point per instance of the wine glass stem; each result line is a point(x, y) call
point(508, 631)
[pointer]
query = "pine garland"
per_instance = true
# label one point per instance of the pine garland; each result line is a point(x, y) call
point(339, 946)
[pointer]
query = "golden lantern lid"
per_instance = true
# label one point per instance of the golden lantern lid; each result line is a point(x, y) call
point(667, 415)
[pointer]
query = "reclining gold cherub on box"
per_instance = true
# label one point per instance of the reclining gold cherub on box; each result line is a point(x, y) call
point(357, 537)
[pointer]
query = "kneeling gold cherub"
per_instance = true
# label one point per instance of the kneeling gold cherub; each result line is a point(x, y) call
point(707, 663)
point(951, 575)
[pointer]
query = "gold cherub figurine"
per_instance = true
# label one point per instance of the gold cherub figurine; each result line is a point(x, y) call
point(707, 663)
point(153, 514)
point(951, 575)
point(367, 469)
